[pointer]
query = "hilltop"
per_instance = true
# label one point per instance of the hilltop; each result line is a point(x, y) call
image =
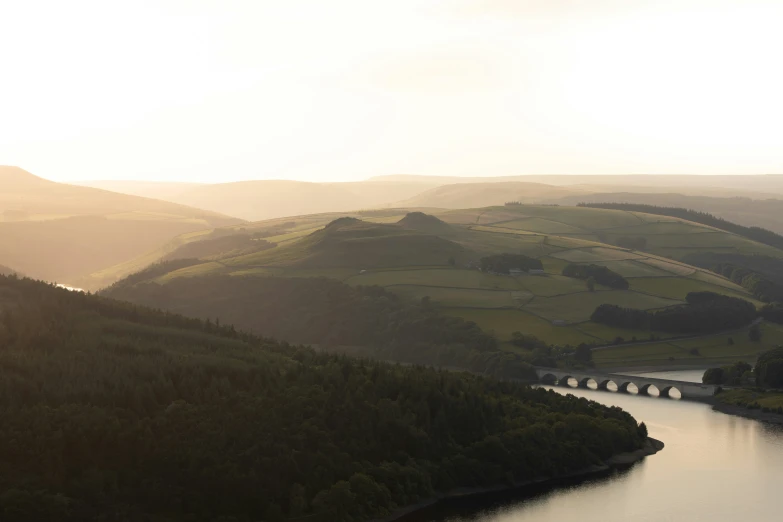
point(375, 248)
point(63, 233)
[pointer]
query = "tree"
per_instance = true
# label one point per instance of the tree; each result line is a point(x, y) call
point(713, 376)
point(730, 341)
point(591, 284)
point(583, 354)
point(754, 334)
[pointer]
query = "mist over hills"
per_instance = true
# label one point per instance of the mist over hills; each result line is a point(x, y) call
point(472, 195)
point(63, 233)
point(147, 189)
point(268, 199)
point(762, 183)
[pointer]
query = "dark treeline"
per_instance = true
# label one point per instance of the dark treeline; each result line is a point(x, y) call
point(768, 372)
point(772, 313)
point(367, 321)
point(600, 274)
point(761, 275)
point(762, 235)
point(115, 412)
point(504, 263)
point(543, 354)
point(769, 369)
point(705, 312)
point(735, 374)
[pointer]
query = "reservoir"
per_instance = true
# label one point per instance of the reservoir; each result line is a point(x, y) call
point(715, 467)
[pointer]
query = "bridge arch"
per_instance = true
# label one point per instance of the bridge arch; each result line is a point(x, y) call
point(585, 382)
point(666, 392)
point(645, 389)
point(563, 380)
point(548, 378)
point(623, 387)
point(604, 385)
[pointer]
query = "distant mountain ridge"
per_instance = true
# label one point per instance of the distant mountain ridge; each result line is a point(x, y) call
point(63, 233)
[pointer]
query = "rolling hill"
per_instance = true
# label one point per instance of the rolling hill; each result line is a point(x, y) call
point(767, 184)
point(268, 199)
point(471, 195)
point(761, 211)
point(437, 262)
point(63, 233)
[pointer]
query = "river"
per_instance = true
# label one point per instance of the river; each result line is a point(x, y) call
point(715, 467)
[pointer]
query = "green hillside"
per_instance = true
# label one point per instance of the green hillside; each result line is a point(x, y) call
point(418, 256)
point(117, 412)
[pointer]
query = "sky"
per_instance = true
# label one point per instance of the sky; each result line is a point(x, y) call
point(223, 90)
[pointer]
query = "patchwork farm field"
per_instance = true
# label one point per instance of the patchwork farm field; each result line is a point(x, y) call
point(698, 351)
point(439, 263)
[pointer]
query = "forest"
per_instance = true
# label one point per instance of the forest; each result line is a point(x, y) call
point(112, 411)
point(365, 320)
point(761, 275)
point(705, 312)
point(600, 274)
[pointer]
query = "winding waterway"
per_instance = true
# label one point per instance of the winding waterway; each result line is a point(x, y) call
point(715, 467)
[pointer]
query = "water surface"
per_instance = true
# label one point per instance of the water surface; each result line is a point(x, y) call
point(715, 468)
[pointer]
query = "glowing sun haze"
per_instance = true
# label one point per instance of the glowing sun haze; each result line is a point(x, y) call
point(338, 90)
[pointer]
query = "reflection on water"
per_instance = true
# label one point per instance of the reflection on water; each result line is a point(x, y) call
point(715, 468)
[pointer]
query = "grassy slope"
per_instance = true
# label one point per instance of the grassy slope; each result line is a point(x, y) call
point(416, 268)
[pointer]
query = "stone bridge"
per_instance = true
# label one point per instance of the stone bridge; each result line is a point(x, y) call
point(688, 390)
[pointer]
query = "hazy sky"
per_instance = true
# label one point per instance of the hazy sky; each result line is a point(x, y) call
point(336, 90)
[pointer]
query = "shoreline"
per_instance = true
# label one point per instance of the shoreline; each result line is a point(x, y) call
point(620, 460)
point(742, 411)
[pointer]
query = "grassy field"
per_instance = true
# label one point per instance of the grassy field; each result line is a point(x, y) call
point(418, 263)
point(577, 308)
point(771, 400)
point(703, 351)
point(679, 287)
point(504, 322)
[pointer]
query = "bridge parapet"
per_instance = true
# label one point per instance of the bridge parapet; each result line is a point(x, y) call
point(688, 390)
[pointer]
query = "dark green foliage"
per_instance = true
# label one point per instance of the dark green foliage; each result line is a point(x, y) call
point(115, 412)
point(706, 312)
point(504, 263)
point(759, 234)
point(528, 342)
point(632, 243)
point(620, 317)
point(365, 321)
point(769, 369)
point(773, 313)
point(731, 375)
point(599, 274)
point(761, 275)
point(754, 334)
